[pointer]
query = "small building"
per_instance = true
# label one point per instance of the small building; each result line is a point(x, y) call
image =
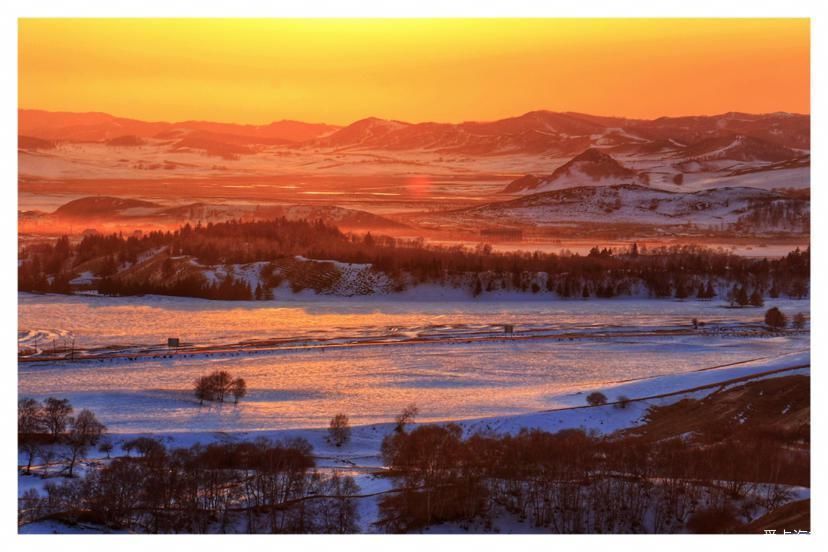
point(173, 342)
point(509, 329)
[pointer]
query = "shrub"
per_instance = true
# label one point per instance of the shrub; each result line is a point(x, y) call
point(406, 417)
point(622, 402)
point(339, 431)
point(145, 446)
point(799, 321)
point(775, 318)
point(596, 399)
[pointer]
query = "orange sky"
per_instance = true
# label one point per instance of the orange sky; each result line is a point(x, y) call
point(337, 71)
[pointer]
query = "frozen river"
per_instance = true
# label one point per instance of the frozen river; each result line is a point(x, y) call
point(306, 387)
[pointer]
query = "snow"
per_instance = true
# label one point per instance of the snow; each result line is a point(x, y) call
point(306, 359)
point(362, 452)
point(361, 458)
point(48, 527)
point(655, 392)
point(83, 278)
point(576, 178)
point(617, 204)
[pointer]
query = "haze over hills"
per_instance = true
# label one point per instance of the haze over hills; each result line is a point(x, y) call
point(533, 132)
point(550, 132)
point(98, 209)
point(734, 173)
point(102, 127)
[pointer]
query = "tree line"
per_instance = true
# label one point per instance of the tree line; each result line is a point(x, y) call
point(577, 482)
point(261, 486)
point(571, 481)
point(675, 271)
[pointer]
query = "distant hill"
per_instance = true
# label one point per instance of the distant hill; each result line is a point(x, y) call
point(535, 132)
point(31, 143)
point(738, 147)
point(103, 206)
point(567, 133)
point(119, 209)
point(590, 166)
point(735, 209)
point(102, 127)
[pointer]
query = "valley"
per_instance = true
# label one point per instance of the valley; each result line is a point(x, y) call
point(543, 174)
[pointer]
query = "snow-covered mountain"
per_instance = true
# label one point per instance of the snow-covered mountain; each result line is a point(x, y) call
point(589, 168)
point(749, 208)
point(738, 147)
point(534, 132)
point(567, 133)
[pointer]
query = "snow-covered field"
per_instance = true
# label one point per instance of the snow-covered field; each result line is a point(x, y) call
point(360, 457)
point(351, 355)
point(370, 357)
point(419, 312)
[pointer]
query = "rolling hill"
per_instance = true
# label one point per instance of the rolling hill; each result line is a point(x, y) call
point(115, 209)
point(591, 167)
point(535, 132)
point(738, 210)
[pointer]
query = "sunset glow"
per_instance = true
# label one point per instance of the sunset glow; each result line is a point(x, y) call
point(338, 71)
point(463, 276)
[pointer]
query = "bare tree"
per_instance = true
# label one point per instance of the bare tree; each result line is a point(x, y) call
point(86, 431)
point(106, 447)
point(221, 381)
point(238, 389)
point(203, 389)
point(406, 417)
point(47, 456)
point(339, 431)
point(29, 416)
point(56, 412)
point(30, 423)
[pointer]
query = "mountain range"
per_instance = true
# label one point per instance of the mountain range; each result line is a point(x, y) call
point(775, 136)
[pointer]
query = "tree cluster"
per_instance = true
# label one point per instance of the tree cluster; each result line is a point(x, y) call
point(639, 481)
point(228, 288)
point(41, 425)
point(218, 385)
point(574, 482)
point(247, 487)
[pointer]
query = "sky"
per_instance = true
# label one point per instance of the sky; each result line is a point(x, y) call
point(449, 70)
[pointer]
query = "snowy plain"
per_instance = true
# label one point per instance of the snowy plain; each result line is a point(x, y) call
point(369, 357)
